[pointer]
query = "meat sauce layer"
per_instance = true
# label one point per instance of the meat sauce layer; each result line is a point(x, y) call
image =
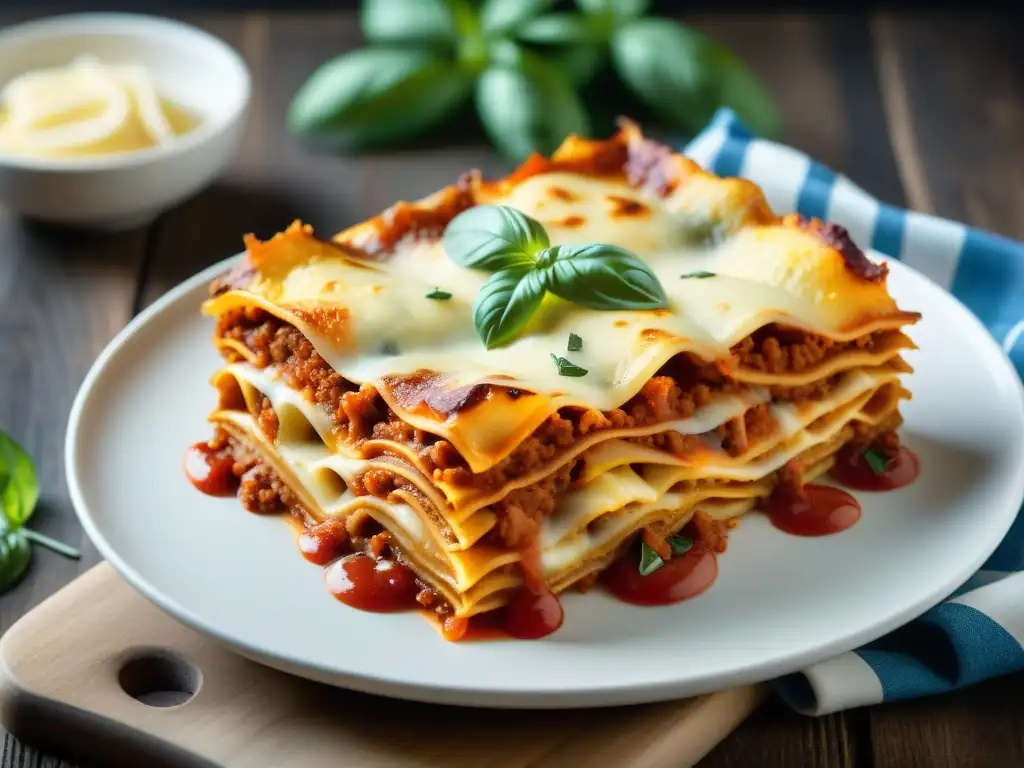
point(682, 386)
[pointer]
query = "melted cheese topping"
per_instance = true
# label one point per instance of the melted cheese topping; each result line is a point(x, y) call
point(372, 322)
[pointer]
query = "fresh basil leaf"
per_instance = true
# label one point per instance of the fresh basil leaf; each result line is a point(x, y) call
point(698, 274)
point(662, 62)
point(557, 29)
point(15, 556)
point(734, 85)
point(19, 486)
point(438, 294)
point(567, 368)
point(625, 9)
point(501, 16)
point(407, 21)
point(494, 237)
point(527, 105)
point(575, 343)
point(680, 545)
point(376, 96)
point(650, 561)
point(876, 460)
point(602, 277)
point(685, 76)
point(506, 303)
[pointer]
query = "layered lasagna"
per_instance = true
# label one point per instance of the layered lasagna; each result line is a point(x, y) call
point(477, 483)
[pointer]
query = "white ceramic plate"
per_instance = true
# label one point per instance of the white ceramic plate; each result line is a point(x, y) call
point(781, 602)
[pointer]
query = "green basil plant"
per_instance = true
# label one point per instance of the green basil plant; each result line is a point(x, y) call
point(19, 492)
point(524, 64)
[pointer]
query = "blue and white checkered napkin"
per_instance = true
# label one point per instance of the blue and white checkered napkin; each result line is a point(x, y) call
point(978, 632)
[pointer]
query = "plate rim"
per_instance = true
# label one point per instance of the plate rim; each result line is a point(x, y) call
point(598, 695)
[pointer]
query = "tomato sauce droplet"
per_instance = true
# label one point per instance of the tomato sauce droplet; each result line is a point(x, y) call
point(682, 577)
point(210, 471)
point(819, 510)
point(853, 470)
point(371, 585)
point(531, 615)
point(324, 542)
point(454, 628)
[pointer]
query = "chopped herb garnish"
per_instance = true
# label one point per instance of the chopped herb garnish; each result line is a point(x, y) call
point(700, 274)
point(575, 343)
point(565, 368)
point(680, 545)
point(877, 460)
point(650, 561)
point(438, 294)
point(389, 348)
point(525, 268)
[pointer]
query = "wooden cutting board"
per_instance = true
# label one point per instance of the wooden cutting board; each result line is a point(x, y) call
point(91, 672)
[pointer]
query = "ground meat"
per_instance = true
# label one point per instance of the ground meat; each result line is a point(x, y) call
point(740, 433)
point(780, 349)
point(267, 419)
point(791, 477)
point(262, 492)
point(713, 532)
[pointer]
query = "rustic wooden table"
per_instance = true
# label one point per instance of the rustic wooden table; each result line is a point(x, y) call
point(923, 111)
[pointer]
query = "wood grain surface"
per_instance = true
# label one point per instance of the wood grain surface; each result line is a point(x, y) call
point(921, 110)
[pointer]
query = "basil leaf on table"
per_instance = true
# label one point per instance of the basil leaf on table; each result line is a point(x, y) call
point(557, 28)
point(685, 76)
point(494, 237)
point(528, 105)
point(736, 86)
point(501, 16)
point(623, 9)
point(406, 21)
point(15, 556)
point(372, 96)
point(506, 303)
point(19, 486)
point(19, 492)
point(602, 277)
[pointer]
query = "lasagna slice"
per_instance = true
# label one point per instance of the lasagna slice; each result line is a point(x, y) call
point(428, 470)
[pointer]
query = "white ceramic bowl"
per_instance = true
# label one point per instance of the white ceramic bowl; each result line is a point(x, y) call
point(189, 66)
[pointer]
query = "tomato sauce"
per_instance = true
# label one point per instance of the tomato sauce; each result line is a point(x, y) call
point(324, 542)
point(532, 615)
point(680, 578)
point(210, 471)
point(816, 510)
point(853, 470)
point(369, 584)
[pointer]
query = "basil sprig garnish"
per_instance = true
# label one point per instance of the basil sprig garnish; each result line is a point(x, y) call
point(19, 492)
point(516, 248)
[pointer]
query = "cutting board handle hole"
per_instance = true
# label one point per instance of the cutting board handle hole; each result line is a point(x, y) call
point(159, 678)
